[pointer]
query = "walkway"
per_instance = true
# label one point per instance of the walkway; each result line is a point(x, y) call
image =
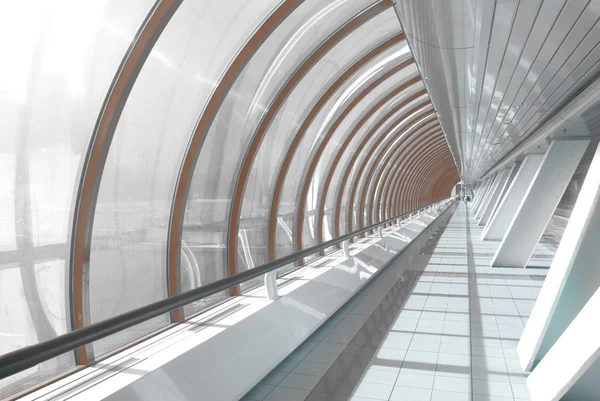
point(446, 331)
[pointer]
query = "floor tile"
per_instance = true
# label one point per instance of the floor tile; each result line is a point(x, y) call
point(401, 393)
point(456, 333)
point(375, 391)
point(287, 394)
point(304, 382)
point(439, 395)
point(311, 368)
point(415, 380)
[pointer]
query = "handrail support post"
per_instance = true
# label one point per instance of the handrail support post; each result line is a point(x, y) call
point(271, 285)
point(346, 248)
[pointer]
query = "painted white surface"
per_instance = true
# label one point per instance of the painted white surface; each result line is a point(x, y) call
point(494, 197)
point(481, 203)
point(500, 221)
point(574, 356)
point(539, 203)
point(212, 358)
point(488, 196)
point(573, 277)
point(481, 193)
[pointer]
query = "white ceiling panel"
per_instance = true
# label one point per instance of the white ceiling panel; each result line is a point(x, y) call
point(497, 70)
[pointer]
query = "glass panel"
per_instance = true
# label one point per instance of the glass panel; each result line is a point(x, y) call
point(284, 127)
point(358, 43)
point(352, 148)
point(366, 104)
point(390, 166)
point(381, 150)
point(207, 210)
point(386, 162)
point(128, 261)
point(61, 57)
point(366, 134)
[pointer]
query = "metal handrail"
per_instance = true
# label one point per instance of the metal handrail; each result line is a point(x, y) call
point(28, 357)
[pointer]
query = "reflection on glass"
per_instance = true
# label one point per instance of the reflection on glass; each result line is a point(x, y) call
point(61, 58)
point(350, 49)
point(128, 258)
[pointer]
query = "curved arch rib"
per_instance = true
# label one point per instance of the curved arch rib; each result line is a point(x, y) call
point(407, 168)
point(384, 160)
point(322, 193)
point(422, 184)
point(429, 189)
point(445, 188)
point(369, 176)
point(432, 192)
point(423, 174)
point(405, 164)
point(266, 120)
point(412, 166)
point(391, 180)
point(318, 151)
point(307, 121)
point(348, 168)
point(384, 178)
point(95, 160)
point(207, 117)
point(403, 154)
point(363, 165)
point(415, 168)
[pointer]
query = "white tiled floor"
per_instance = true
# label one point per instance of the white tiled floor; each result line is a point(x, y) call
point(453, 339)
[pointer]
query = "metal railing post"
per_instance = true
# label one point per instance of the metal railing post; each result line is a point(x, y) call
point(346, 248)
point(271, 285)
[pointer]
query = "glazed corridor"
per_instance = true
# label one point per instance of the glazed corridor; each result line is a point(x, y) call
point(446, 330)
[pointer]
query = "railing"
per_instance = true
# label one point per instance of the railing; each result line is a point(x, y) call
point(28, 357)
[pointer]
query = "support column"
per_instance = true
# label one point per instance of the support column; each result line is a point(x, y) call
point(494, 197)
point(481, 194)
point(477, 193)
point(507, 209)
point(486, 200)
point(541, 199)
point(573, 278)
point(511, 177)
point(570, 370)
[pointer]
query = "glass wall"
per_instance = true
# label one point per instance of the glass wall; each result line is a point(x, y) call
point(60, 59)
point(309, 97)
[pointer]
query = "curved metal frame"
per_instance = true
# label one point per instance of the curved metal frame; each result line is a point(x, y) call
point(391, 165)
point(303, 128)
point(435, 190)
point(368, 177)
point(324, 188)
point(425, 156)
point(348, 167)
point(201, 129)
point(363, 182)
point(95, 159)
point(426, 175)
point(356, 180)
point(407, 168)
point(245, 166)
point(391, 180)
point(315, 155)
point(424, 186)
point(429, 188)
point(449, 184)
point(421, 178)
point(384, 164)
point(398, 178)
point(409, 157)
point(423, 159)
